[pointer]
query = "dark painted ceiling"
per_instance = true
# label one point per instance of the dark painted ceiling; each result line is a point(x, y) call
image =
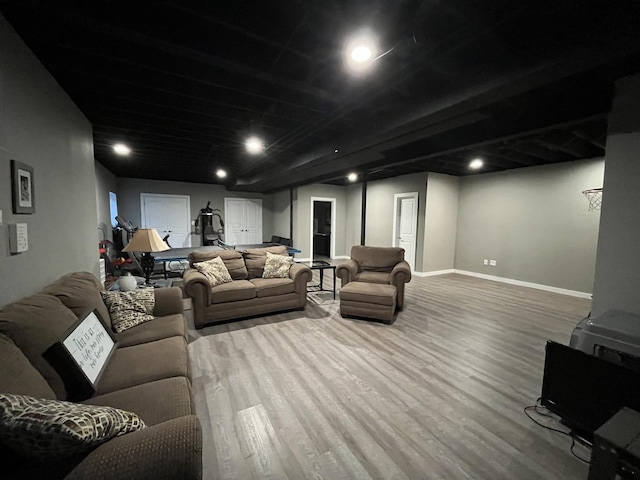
point(183, 83)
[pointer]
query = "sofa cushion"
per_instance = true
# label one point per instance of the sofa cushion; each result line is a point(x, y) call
point(255, 258)
point(231, 258)
point(147, 362)
point(34, 324)
point(370, 276)
point(232, 292)
point(161, 327)
point(277, 266)
point(269, 287)
point(49, 429)
point(154, 402)
point(380, 259)
point(80, 293)
point(215, 270)
point(128, 309)
point(17, 375)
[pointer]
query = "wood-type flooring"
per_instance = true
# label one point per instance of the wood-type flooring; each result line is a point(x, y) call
point(437, 395)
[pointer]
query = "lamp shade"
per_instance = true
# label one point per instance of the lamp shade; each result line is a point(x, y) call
point(146, 240)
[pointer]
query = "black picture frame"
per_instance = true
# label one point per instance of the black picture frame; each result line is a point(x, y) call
point(22, 188)
point(82, 355)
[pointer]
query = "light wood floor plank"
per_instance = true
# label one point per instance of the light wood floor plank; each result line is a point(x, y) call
point(437, 395)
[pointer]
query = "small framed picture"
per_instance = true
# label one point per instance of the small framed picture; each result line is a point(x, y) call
point(22, 189)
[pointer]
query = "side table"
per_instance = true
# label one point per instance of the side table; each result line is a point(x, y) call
point(321, 265)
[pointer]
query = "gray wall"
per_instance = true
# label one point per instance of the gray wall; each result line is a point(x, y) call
point(379, 228)
point(129, 190)
point(617, 276)
point(441, 223)
point(281, 208)
point(105, 183)
point(41, 127)
point(534, 222)
point(303, 216)
point(354, 217)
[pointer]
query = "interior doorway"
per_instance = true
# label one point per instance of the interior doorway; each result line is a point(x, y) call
point(322, 232)
point(405, 225)
point(169, 215)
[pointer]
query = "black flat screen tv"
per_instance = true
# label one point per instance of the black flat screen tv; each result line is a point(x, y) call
point(585, 390)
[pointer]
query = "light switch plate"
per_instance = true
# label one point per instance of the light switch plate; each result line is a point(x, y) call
point(0, 218)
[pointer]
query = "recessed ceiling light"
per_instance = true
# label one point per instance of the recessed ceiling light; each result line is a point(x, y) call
point(476, 163)
point(254, 145)
point(361, 53)
point(352, 177)
point(220, 173)
point(336, 151)
point(121, 149)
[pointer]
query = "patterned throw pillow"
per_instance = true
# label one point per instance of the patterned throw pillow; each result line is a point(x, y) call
point(215, 270)
point(277, 266)
point(51, 429)
point(128, 309)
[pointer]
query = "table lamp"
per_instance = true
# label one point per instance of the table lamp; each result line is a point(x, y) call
point(146, 240)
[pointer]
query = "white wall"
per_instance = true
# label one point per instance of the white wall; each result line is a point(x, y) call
point(441, 222)
point(534, 222)
point(41, 127)
point(617, 275)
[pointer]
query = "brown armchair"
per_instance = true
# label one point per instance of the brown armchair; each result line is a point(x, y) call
point(385, 265)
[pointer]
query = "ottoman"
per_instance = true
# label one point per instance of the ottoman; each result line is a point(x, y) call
point(368, 300)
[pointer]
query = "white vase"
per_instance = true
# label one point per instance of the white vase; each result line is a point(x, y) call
point(127, 283)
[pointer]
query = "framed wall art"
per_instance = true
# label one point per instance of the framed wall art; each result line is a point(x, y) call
point(22, 189)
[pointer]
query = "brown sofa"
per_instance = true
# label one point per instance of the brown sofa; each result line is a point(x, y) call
point(248, 294)
point(381, 265)
point(148, 374)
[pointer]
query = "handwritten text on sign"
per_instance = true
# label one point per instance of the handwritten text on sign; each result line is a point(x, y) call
point(89, 345)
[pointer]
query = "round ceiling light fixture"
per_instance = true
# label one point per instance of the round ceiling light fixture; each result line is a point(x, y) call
point(254, 145)
point(360, 52)
point(121, 149)
point(352, 177)
point(476, 163)
point(220, 173)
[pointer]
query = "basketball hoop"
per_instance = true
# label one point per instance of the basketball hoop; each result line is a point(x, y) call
point(594, 195)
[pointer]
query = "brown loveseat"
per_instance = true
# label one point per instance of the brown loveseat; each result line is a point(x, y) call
point(379, 265)
point(248, 294)
point(148, 374)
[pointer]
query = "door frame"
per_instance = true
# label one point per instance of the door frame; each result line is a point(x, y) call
point(332, 248)
point(143, 216)
point(397, 203)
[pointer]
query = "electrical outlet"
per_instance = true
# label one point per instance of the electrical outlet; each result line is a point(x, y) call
point(485, 262)
point(492, 263)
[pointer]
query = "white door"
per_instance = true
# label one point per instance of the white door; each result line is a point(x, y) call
point(169, 215)
point(406, 225)
point(243, 221)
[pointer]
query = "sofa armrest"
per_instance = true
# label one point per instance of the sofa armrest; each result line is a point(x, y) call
point(300, 274)
point(169, 450)
point(168, 301)
point(196, 285)
point(347, 271)
point(400, 274)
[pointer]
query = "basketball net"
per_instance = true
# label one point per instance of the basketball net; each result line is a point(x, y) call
point(594, 195)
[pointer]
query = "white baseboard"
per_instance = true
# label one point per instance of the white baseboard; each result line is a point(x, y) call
point(431, 274)
point(341, 257)
point(548, 288)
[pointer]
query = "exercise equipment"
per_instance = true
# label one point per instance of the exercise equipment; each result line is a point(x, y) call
point(210, 235)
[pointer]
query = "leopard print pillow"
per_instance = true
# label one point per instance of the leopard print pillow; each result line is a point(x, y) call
point(215, 270)
point(277, 266)
point(128, 309)
point(51, 429)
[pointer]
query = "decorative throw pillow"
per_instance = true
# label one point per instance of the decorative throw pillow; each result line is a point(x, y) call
point(215, 270)
point(51, 429)
point(128, 309)
point(277, 266)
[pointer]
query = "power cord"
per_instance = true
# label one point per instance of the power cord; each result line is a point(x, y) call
point(574, 438)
